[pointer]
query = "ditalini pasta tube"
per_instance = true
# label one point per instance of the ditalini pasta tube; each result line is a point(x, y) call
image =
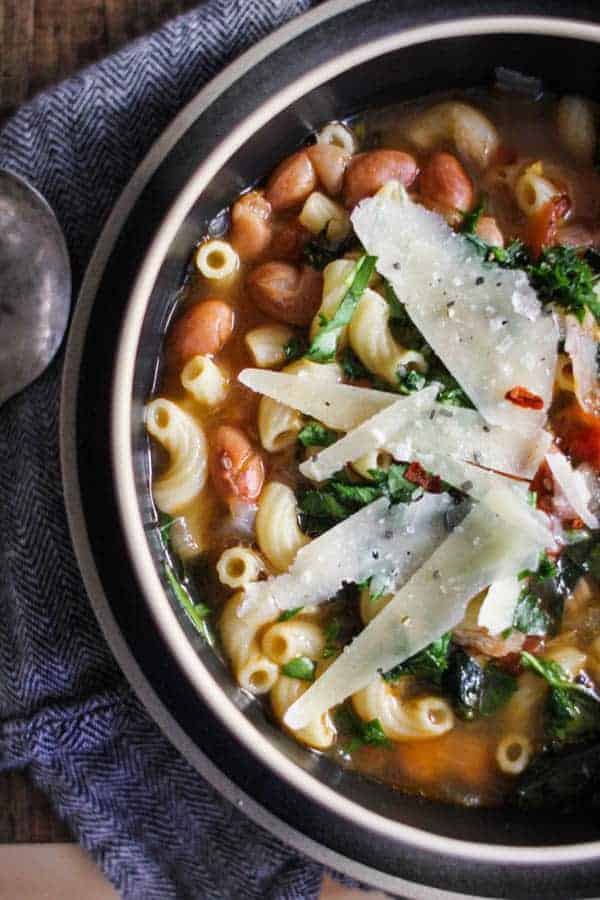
point(485, 547)
point(382, 540)
point(485, 323)
point(416, 423)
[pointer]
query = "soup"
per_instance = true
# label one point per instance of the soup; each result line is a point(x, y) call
point(376, 443)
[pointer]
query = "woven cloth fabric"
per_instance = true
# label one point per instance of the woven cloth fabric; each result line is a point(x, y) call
point(66, 714)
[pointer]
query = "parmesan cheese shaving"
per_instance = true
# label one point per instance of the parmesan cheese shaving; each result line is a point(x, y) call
point(498, 608)
point(484, 548)
point(409, 429)
point(574, 486)
point(339, 406)
point(388, 541)
point(485, 323)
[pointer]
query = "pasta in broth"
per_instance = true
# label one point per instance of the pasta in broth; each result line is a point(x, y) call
point(402, 317)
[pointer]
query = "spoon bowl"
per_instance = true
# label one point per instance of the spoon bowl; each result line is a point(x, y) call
point(35, 284)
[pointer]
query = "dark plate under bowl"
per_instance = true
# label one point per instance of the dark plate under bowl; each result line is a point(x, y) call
point(339, 59)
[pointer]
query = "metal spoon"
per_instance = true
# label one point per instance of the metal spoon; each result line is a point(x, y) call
point(35, 284)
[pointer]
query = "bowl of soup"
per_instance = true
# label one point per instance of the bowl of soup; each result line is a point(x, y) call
point(355, 443)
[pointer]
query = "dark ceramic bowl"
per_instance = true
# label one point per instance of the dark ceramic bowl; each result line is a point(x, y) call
point(342, 57)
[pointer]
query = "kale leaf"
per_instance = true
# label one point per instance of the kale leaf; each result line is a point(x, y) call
point(476, 690)
point(566, 780)
point(294, 349)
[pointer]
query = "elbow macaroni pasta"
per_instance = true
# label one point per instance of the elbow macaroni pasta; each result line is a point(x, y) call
point(402, 719)
point(240, 628)
point(184, 440)
point(335, 276)
point(577, 128)
point(203, 379)
point(284, 641)
point(372, 341)
point(278, 425)
point(277, 531)
point(319, 214)
point(267, 345)
point(374, 459)
point(319, 734)
point(474, 136)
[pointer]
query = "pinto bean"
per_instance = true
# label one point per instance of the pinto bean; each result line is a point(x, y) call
point(487, 229)
point(251, 230)
point(236, 468)
point(292, 181)
point(368, 172)
point(446, 187)
point(285, 292)
point(290, 240)
point(330, 163)
point(203, 329)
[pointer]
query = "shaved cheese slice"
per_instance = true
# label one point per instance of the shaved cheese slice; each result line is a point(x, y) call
point(410, 429)
point(387, 541)
point(371, 434)
point(482, 549)
point(582, 347)
point(498, 608)
point(485, 323)
point(339, 406)
point(574, 486)
point(464, 476)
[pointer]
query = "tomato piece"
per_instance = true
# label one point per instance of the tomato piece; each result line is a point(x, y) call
point(578, 434)
point(542, 227)
point(417, 474)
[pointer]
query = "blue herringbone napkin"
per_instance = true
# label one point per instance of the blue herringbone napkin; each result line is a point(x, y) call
point(65, 712)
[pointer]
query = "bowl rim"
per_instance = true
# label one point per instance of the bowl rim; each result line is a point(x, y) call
point(123, 470)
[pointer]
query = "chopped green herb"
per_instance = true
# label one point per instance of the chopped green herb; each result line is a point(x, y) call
point(476, 690)
point(196, 612)
point(320, 251)
point(532, 499)
point(288, 614)
point(361, 733)
point(332, 633)
point(166, 522)
point(316, 435)
point(514, 256)
point(324, 345)
point(470, 219)
point(301, 667)
point(294, 349)
point(411, 381)
point(561, 276)
point(429, 664)
point(551, 671)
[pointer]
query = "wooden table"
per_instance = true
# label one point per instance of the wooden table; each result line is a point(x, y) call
point(42, 42)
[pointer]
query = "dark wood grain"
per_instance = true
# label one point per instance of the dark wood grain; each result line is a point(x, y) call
point(42, 42)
